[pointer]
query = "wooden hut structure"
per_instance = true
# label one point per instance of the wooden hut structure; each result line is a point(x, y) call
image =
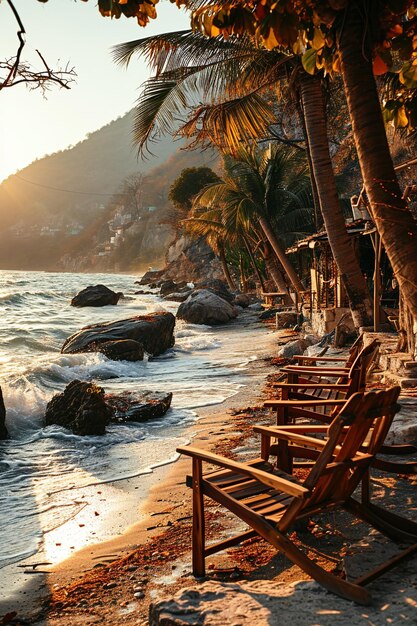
point(326, 304)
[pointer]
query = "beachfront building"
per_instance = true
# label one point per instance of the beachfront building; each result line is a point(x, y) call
point(325, 302)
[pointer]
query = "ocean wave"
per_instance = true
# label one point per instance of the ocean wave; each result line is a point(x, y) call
point(27, 297)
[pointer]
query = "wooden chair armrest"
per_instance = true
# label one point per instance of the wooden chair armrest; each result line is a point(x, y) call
point(277, 482)
point(340, 386)
point(301, 357)
point(293, 437)
point(359, 459)
point(316, 371)
point(275, 404)
point(298, 428)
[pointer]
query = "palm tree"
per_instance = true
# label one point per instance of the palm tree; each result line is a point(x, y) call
point(234, 74)
point(394, 222)
point(208, 224)
point(313, 104)
point(269, 188)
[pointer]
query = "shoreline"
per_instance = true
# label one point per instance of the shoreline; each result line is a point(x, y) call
point(119, 582)
point(152, 516)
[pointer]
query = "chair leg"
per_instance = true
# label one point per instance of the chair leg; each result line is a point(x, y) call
point(342, 588)
point(393, 526)
point(399, 449)
point(395, 467)
point(198, 532)
point(366, 487)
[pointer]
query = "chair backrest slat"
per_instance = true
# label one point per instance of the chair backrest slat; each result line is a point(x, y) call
point(360, 427)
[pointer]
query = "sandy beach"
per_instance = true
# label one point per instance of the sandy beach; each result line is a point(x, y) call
point(116, 581)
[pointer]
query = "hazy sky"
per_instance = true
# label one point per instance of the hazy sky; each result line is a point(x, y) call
point(74, 32)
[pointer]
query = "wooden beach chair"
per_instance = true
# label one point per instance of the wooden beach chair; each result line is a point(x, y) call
point(331, 361)
point(321, 400)
point(271, 501)
point(305, 382)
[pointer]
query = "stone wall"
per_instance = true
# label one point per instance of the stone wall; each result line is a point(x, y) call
point(326, 320)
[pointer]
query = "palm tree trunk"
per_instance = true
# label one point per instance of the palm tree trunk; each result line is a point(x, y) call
point(243, 280)
point(282, 257)
point(225, 267)
point(334, 221)
point(393, 220)
point(254, 265)
point(274, 272)
point(318, 218)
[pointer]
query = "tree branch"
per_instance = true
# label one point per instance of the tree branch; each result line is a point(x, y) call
point(18, 72)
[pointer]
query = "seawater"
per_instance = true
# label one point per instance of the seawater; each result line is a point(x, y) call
point(48, 476)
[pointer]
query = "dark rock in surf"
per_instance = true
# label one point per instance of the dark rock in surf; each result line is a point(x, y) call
point(138, 406)
point(178, 296)
point(85, 409)
point(155, 332)
point(3, 429)
point(81, 408)
point(152, 276)
point(205, 307)
point(97, 295)
point(122, 350)
point(167, 287)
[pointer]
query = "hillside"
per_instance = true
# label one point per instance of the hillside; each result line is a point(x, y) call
point(59, 205)
point(78, 180)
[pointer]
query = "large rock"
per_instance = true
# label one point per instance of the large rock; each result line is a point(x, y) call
point(3, 429)
point(154, 332)
point(286, 319)
point(218, 287)
point(178, 296)
point(299, 346)
point(138, 406)
point(242, 299)
point(205, 307)
point(97, 295)
point(81, 408)
point(122, 350)
point(84, 408)
point(170, 286)
point(152, 276)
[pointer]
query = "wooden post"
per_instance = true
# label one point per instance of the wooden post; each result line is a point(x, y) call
point(377, 282)
point(198, 534)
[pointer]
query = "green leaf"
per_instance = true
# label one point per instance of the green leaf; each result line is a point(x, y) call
point(389, 110)
point(408, 75)
point(309, 60)
point(412, 113)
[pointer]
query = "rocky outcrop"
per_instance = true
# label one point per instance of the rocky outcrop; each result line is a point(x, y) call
point(3, 429)
point(205, 307)
point(138, 406)
point(154, 332)
point(191, 260)
point(97, 295)
point(85, 409)
point(80, 408)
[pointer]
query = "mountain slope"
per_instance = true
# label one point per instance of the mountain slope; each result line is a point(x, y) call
point(58, 205)
point(78, 180)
